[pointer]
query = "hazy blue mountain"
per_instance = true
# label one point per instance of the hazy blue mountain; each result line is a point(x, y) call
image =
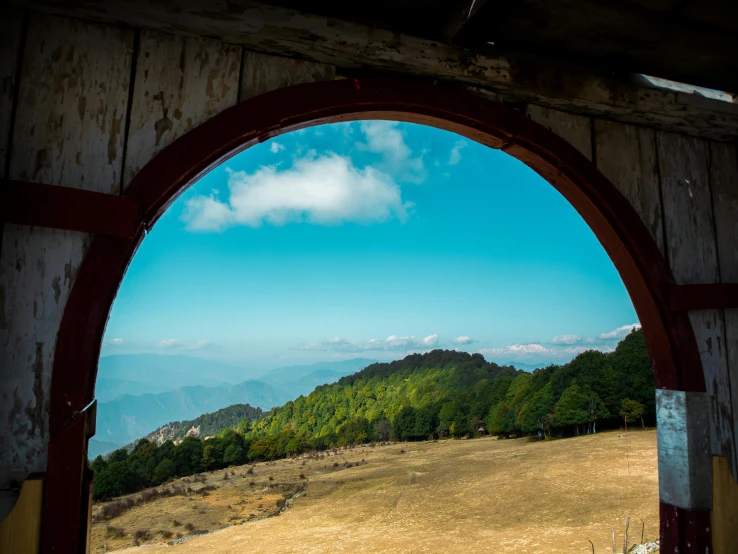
point(130, 417)
point(108, 389)
point(96, 448)
point(305, 385)
point(154, 371)
point(530, 367)
point(138, 393)
point(302, 379)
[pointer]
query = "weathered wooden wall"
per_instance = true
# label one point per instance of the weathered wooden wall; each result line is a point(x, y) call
point(67, 131)
point(93, 104)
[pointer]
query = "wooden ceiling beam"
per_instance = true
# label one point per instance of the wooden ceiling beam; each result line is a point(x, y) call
point(625, 37)
point(357, 50)
point(464, 12)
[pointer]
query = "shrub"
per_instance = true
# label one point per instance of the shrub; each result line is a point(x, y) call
point(302, 476)
point(141, 535)
point(176, 523)
point(116, 532)
point(271, 478)
point(190, 527)
point(114, 509)
point(225, 476)
point(250, 471)
point(166, 534)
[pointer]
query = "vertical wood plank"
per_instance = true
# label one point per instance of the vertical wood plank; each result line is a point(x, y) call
point(626, 155)
point(72, 104)
point(68, 132)
point(692, 251)
point(11, 27)
point(724, 182)
point(263, 73)
point(180, 83)
point(575, 129)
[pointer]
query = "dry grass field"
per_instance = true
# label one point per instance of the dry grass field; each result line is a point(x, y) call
point(450, 496)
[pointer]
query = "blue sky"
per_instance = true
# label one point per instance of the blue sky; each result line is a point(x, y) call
point(371, 239)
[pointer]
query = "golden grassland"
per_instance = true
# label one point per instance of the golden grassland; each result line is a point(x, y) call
point(480, 495)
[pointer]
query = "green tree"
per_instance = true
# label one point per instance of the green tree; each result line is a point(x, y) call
point(572, 408)
point(382, 429)
point(537, 413)
point(596, 408)
point(259, 450)
point(164, 471)
point(233, 455)
point(631, 410)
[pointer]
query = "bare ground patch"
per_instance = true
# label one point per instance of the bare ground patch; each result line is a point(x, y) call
point(476, 496)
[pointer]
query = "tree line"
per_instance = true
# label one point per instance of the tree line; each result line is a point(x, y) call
point(423, 396)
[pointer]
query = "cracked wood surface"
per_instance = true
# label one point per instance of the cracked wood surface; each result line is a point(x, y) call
point(69, 132)
point(180, 82)
point(11, 30)
point(575, 129)
point(684, 165)
point(360, 50)
point(724, 182)
point(626, 155)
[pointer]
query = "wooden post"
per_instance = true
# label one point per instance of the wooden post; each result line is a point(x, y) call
point(614, 546)
point(625, 539)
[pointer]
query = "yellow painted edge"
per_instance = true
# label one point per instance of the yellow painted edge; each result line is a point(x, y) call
point(20, 532)
point(724, 515)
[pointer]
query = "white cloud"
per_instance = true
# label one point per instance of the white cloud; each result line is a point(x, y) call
point(455, 156)
point(534, 353)
point(276, 147)
point(463, 340)
point(385, 138)
point(392, 343)
point(326, 189)
point(176, 344)
point(566, 339)
point(619, 333)
point(113, 342)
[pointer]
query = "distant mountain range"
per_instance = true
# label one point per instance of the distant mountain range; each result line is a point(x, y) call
point(529, 367)
point(165, 371)
point(140, 393)
point(299, 380)
point(129, 417)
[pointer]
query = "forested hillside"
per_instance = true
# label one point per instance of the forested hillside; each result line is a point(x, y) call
point(439, 394)
point(454, 393)
point(206, 425)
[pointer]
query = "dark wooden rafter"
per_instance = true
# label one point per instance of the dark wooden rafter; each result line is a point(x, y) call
point(42, 205)
point(463, 13)
point(360, 50)
point(703, 297)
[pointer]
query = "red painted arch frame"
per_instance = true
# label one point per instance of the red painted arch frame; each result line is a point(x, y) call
point(646, 275)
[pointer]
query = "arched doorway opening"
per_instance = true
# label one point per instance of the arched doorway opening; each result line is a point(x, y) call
point(634, 253)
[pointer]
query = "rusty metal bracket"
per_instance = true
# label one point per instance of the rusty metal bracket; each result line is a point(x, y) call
point(685, 459)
